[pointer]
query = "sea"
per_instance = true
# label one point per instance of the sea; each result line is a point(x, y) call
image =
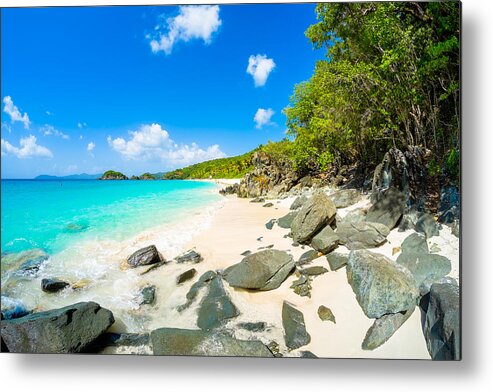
point(82, 231)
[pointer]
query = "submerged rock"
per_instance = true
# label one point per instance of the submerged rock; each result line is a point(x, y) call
point(362, 235)
point(264, 270)
point(190, 256)
point(293, 323)
point(381, 286)
point(316, 213)
point(174, 341)
point(345, 198)
point(326, 314)
point(71, 329)
point(325, 241)
point(53, 285)
point(388, 209)
point(383, 328)
point(25, 263)
point(144, 256)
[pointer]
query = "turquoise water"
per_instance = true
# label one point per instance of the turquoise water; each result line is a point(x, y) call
point(53, 215)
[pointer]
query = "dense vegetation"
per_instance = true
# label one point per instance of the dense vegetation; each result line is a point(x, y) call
point(233, 167)
point(391, 79)
point(113, 175)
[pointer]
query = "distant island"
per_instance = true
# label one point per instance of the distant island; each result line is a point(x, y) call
point(82, 176)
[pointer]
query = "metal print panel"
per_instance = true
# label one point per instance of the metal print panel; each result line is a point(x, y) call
point(268, 180)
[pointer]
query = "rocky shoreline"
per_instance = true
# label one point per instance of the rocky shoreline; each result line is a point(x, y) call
point(329, 230)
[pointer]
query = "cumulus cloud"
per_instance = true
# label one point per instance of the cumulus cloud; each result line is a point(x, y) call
point(151, 142)
point(28, 148)
point(81, 125)
point(14, 112)
point(260, 67)
point(91, 146)
point(262, 117)
point(192, 22)
point(50, 130)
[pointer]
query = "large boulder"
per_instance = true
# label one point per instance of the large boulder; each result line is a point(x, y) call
point(381, 286)
point(216, 307)
point(144, 256)
point(427, 225)
point(298, 202)
point(316, 213)
point(286, 220)
point(442, 325)
point(362, 235)
point(71, 329)
point(388, 209)
point(383, 328)
point(345, 198)
point(293, 322)
point(174, 341)
point(264, 270)
point(325, 241)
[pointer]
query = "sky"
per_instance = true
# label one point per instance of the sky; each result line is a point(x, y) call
point(146, 88)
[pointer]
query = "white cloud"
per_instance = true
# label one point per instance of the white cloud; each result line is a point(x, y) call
point(262, 117)
point(14, 112)
point(28, 148)
point(260, 67)
point(81, 125)
point(6, 127)
point(192, 22)
point(91, 146)
point(49, 130)
point(81, 137)
point(151, 142)
point(48, 113)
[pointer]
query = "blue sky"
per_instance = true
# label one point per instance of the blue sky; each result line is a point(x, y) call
point(146, 88)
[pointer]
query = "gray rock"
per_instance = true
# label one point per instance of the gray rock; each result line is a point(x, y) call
point(153, 267)
point(192, 294)
point(173, 341)
point(274, 349)
point(307, 354)
point(268, 205)
point(314, 271)
point(325, 241)
point(354, 216)
point(298, 202)
point(216, 307)
point(53, 285)
point(270, 224)
point(381, 286)
point(148, 294)
point(414, 243)
point(326, 314)
point(362, 235)
point(302, 286)
point(308, 257)
point(144, 256)
point(388, 209)
point(293, 322)
point(456, 228)
point(383, 328)
point(408, 221)
point(246, 253)
point(257, 200)
point(426, 224)
point(264, 270)
point(316, 213)
point(190, 256)
point(345, 198)
point(336, 260)
point(187, 275)
point(442, 325)
point(71, 329)
point(449, 206)
point(253, 327)
point(286, 220)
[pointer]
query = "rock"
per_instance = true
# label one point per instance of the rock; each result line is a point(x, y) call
point(362, 235)
point(216, 307)
point(270, 224)
point(53, 285)
point(12, 308)
point(230, 190)
point(71, 329)
point(325, 241)
point(381, 286)
point(308, 257)
point(203, 281)
point(307, 354)
point(246, 253)
point(298, 202)
point(314, 271)
point(144, 256)
point(456, 228)
point(286, 220)
point(253, 327)
point(442, 325)
point(449, 206)
point(414, 243)
point(435, 248)
point(337, 260)
point(345, 198)
point(174, 341)
point(264, 270)
point(273, 346)
point(383, 328)
point(25, 263)
point(316, 213)
point(190, 256)
point(354, 216)
point(257, 200)
point(426, 224)
point(326, 314)
point(408, 221)
point(148, 294)
point(306, 181)
point(388, 209)
point(187, 275)
point(131, 343)
point(268, 205)
point(302, 286)
point(293, 322)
